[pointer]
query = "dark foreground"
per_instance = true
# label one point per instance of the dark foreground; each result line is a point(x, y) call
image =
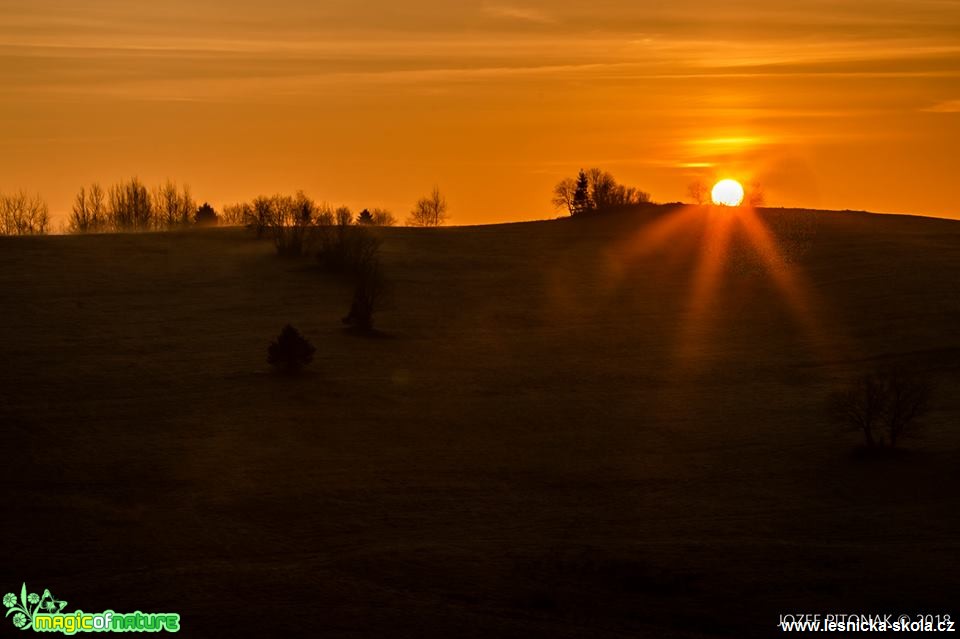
point(556, 435)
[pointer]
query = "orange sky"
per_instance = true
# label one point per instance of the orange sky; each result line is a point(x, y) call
point(830, 104)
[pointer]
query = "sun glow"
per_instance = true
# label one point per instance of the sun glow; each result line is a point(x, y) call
point(727, 193)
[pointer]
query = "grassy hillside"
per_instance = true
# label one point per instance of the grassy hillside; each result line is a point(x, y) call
point(554, 436)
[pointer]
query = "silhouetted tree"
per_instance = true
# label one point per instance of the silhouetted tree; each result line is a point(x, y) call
point(172, 207)
point(606, 194)
point(89, 214)
point(699, 192)
point(345, 248)
point(291, 223)
point(383, 217)
point(564, 195)
point(754, 196)
point(429, 211)
point(369, 293)
point(21, 214)
point(860, 407)
point(581, 195)
point(365, 217)
point(602, 189)
point(206, 216)
point(130, 208)
point(324, 216)
point(261, 215)
point(595, 190)
point(883, 406)
point(290, 352)
point(343, 217)
point(237, 214)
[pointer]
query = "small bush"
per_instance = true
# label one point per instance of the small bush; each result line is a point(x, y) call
point(884, 406)
point(290, 352)
point(347, 249)
point(206, 216)
point(369, 294)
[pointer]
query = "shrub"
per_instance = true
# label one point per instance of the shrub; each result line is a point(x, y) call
point(347, 249)
point(369, 294)
point(884, 406)
point(206, 216)
point(290, 352)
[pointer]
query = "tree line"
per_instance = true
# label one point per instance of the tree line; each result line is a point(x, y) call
point(131, 206)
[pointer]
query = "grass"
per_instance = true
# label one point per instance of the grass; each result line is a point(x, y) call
point(532, 452)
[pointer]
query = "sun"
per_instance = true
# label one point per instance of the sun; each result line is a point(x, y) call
point(727, 193)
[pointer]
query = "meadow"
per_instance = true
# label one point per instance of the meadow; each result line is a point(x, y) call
point(561, 429)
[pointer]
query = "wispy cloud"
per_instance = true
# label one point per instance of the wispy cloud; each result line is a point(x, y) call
point(948, 106)
point(514, 12)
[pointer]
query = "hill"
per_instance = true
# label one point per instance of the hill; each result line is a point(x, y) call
point(576, 428)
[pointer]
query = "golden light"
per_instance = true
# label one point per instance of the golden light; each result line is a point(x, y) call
point(727, 193)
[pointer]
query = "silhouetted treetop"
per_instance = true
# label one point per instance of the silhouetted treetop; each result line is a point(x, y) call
point(595, 190)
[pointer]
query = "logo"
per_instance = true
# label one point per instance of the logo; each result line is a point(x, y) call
point(44, 613)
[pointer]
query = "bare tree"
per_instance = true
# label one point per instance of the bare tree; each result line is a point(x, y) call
point(324, 217)
point(343, 217)
point(261, 215)
point(629, 196)
point(602, 189)
point(290, 222)
point(89, 214)
point(699, 192)
point(172, 207)
point(884, 406)
point(860, 407)
point(606, 193)
point(382, 217)
point(564, 194)
point(23, 215)
point(429, 211)
point(236, 214)
point(130, 208)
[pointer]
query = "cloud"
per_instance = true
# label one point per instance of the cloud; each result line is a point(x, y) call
point(513, 12)
point(948, 106)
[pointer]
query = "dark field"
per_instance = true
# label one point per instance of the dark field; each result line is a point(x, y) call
point(550, 438)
